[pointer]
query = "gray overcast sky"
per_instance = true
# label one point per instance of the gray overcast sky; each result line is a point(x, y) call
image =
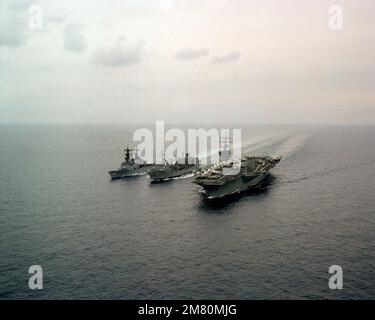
point(228, 61)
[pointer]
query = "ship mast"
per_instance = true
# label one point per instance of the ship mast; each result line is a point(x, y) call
point(127, 154)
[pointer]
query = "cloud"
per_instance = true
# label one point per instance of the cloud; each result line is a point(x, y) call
point(232, 56)
point(14, 22)
point(73, 38)
point(121, 54)
point(190, 54)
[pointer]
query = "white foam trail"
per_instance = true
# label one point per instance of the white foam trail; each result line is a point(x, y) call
point(285, 142)
point(269, 142)
point(264, 140)
point(292, 145)
point(256, 142)
point(186, 176)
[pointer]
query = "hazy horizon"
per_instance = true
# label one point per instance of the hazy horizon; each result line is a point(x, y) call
point(169, 124)
point(137, 61)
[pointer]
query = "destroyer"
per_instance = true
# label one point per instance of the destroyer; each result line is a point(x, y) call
point(130, 168)
point(253, 170)
point(168, 171)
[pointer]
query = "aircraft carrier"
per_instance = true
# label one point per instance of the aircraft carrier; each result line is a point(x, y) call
point(251, 171)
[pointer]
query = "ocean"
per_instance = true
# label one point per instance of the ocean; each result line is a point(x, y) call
point(128, 239)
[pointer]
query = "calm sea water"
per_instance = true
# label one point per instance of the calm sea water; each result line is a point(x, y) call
point(132, 240)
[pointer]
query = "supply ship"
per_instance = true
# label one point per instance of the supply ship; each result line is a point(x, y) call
point(169, 171)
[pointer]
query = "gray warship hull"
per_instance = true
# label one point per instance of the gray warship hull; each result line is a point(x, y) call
point(238, 185)
point(130, 171)
point(129, 168)
point(164, 173)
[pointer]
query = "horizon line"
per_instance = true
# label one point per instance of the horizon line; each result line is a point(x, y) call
point(191, 123)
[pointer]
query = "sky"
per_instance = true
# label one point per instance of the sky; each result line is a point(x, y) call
point(187, 61)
